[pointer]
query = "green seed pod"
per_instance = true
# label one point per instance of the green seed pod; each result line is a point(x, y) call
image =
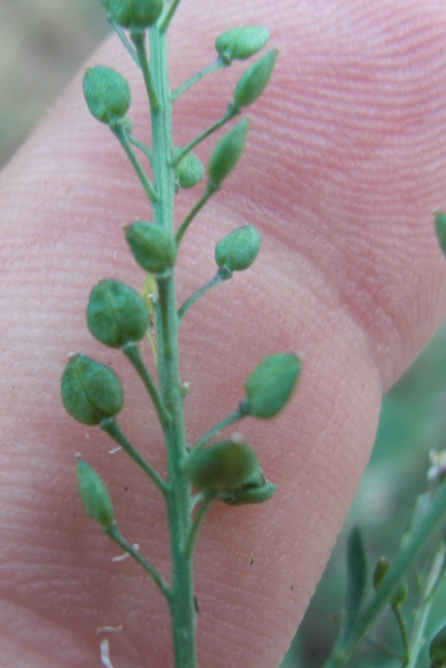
point(152, 246)
point(190, 171)
point(271, 384)
point(134, 14)
point(90, 390)
point(400, 595)
point(437, 649)
point(440, 229)
point(106, 93)
point(116, 314)
point(254, 81)
point(241, 43)
point(239, 249)
point(94, 494)
point(224, 466)
point(249, 494)
point(381, 569)
point(227, 153)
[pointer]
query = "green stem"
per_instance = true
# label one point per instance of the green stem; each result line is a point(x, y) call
point(222, 275)
point(112, 428)
point(145, 149)
point(120, 133)
point(404, 637)
point(123, 37)
point(199, 516)
point(189, 218)
point(131, 351)
point(139, 40)
point(114, 533)
point(167, 18)
point(213, 67)
point(345, 647)
point(227, 116)
point(182, 608)
point(237, 415)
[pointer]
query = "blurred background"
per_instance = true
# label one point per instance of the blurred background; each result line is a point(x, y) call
point(43, 42)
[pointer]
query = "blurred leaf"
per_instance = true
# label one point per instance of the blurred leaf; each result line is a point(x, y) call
point(356, 577)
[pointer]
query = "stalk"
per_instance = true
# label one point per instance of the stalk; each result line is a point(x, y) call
point(181, 601)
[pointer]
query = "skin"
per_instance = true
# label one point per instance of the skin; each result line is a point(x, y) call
point(345, 163)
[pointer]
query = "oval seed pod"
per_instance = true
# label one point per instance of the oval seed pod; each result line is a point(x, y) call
point(106, 93)
point(400, 595)
point(134, 14)
point(249, 494)
point(254, 81)
point(437, 649)
point(241, 43)
point(94, 494)
point(239, 249)
point(90, 390)
point(227, 153)
point(116, 314)
point(190, 171)
point(224, 466)
point(270, 386)
point(381, 569)
point(440, 229)
point(152, 246)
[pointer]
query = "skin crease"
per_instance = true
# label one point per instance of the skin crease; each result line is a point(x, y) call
point(345, 163)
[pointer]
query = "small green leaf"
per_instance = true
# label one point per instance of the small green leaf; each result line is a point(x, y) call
point(254, 81)
point(94, 494)
point(134, 14)
point(270, 386)
point(356, 576)
point(437, 649)
point(189, 171)
point(106, 93)
point(227, 153)
point(116, 314)
point(239, 249)
point(152, 246)
point(90, 390)
point(241, 43)
point(224, 466)
point(440, 229)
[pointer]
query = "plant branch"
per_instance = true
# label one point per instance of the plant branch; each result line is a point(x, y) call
point(112, 428)
point(145, 149)
point(210, 190)
point(222, 275)
point(213, 67)
point(237, 415)
point(123, 37)
point(199, 516)
point(114, 533)
point(139, 40)
point(167, 18)
point(120, 133)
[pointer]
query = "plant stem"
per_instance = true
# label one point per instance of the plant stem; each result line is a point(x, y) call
point(139, 40)
point(116, 535)
point(237, 415)
point(213, 67)
point(120, 133)
point(182, 607)
point(166, 19)
point(191, 215)
point(220, 276)
point(345, 647)
point(112, 428)
point(198, 519)
point(145, 149)
point(123, 37)
point(404, 637)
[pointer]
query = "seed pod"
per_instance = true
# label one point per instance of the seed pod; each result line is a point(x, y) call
point(94, 494)
point(90, 390)
point(224, 466)
point(152, 246)
point(134, 14)
point(440, 229)
point(239, 249)
point(106, 93)
point(271, 384)
point(381, 569)
point(190, 171)
point(249, 494)
point(437, 649)
point(254, 81)
point(400, 595)
point(227, 153)
point(241, 43)
point(116, 314)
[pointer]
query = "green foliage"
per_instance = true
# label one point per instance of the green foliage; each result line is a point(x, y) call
point(116, 314)
point(94, 494)
point(241, 43)
point(270, 386)
point(224, 466)
point(239, 249)
point(90, 390)
point(227, 153)
point(437, 649)
point(152, 246)
point(356, 577)
point(106, 93)
point(254, 81)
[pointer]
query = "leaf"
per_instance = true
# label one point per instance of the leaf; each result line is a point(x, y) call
point(356, 577)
